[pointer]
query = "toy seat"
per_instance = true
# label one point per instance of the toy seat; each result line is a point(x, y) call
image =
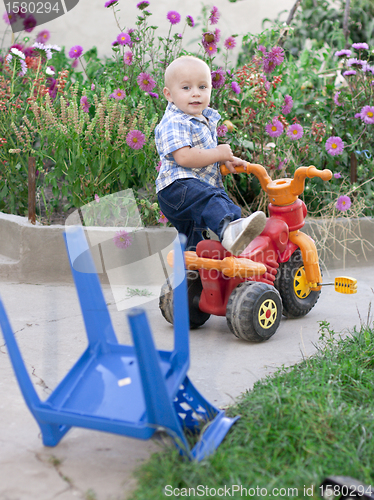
point(123, 389)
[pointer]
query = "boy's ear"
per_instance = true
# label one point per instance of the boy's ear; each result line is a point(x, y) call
point(167, 94)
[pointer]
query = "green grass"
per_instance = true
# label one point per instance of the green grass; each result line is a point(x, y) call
point(297, 426)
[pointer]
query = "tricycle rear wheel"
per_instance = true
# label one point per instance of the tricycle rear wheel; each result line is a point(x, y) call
point(194, 289)
point(254, 311)
point(298, 299)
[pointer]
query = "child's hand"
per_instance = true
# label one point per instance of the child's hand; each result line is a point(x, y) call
point(225, 153)
point(236, 162)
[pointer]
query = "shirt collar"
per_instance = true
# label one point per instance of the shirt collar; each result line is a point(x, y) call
point(207, 112)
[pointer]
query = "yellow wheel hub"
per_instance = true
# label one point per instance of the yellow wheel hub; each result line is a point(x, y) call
point(267, 313)
point(300, 284)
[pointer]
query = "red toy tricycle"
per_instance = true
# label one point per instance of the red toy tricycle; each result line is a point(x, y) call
point(277, 273)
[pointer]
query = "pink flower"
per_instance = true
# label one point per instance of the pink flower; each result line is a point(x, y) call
point(75, 63)
point(288, 103)
point(92, 86)
point(190, 21)
point(218, 78)
point(97, 198)
point(367, 114)
point(163, 220)
point(230, 43)
point(211, 48)
point(43, 36)
point(109, 3)
point(158, 166)
point(334, 145)
point(349, 72)
point(214, 16)
point(85, 104)
point(276, 54)
point(343, 53)
point(118, 94)
point(75, 51)
point(135, 139)
point(274, 128)
point(360, 46)
point(10, 18)
point(29, 23)
point(336, 99)
point(173, 16)
point(123, 39)
point(222, 130)
point(343, 203)
point(142, 5)
point(127, 58)
point(235, 87)
point(295, 131)
point(122, 239)
point(146, 82)
point(337, 175)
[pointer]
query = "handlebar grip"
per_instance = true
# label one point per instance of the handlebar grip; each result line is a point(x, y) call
point(226, 171)
point(325, 174)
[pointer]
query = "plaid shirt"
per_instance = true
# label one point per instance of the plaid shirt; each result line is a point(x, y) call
point(177, 130)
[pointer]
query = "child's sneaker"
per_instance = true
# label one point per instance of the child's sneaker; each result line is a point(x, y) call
point(239, 233)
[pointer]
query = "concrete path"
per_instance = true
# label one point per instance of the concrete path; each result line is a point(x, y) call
point(49, 329)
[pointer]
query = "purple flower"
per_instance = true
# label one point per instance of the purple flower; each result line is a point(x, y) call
point(29, 23)
point(360, 46)
point(10, 18)
point(357, 63)
point(334, 145)
point(43, 36)
point(190, 21)
point(230, 43)
point(75, 51)
point(122, 239)
point(235, 87)
point(214, 16)
point(127, 58)
point(97, 198)
point(343, 53)
point(146, 82)
point(85, 104)
point(337, 175)
point(123, 39)
point(349, 72)
point(268, 64)
point(173, 16)
point(262, 49)
point(23, 68)
point(336, 98)
point(109, 3)
point(210, 48)
point(75, 63)
point(118, 94)
point(92, 86)
point(163, 220)
point(135, 139)
point(142, 5)
point(222, 130)
point(295, 131)
point(288, 103)
point(153, 94)
point(158, 166)
point(276, 54)
point(218, 78)
point(343, 203)
point(274, 128)
point(367, 114)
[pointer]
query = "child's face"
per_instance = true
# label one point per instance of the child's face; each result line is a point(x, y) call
point(189, 87)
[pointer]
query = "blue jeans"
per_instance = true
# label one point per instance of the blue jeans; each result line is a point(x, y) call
point(193, 206)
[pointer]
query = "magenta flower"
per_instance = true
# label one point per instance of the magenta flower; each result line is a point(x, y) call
point(349, 72)
point(360, 46)
point(135, 139)
point(210, 48)
point(142, 5)
point(29, 23)
point(163, 220)
point(274, 128)
point(235, 87)
point(343, 53)
point(276, 54)
point(75, 63)
point(97, 198)
point(230, 43)
point(75, 51)
point(288, 104)
point(367, 114)
point(214, 16)
point(43, 36)
point(85, 104)
point(337, 175)
point(173, 16)
point(190, 21)
point(146, 82)
point(356, 63)
point(158, 166)
point(153, 94)
point(109, 3)
point(118, 94)
point(262, 49)
point(123, 39)
point(295, 131)
point(127, 58)
point(10, 18)
point(343, 203)
point(222, 130)
point(336, 98)
point(268, 64)
point(122, 239)
point(218, 78)
point(334, 145)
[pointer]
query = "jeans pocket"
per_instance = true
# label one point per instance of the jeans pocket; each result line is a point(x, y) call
point(173, 195)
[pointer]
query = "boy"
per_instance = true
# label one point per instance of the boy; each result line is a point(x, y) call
point(189, 185)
